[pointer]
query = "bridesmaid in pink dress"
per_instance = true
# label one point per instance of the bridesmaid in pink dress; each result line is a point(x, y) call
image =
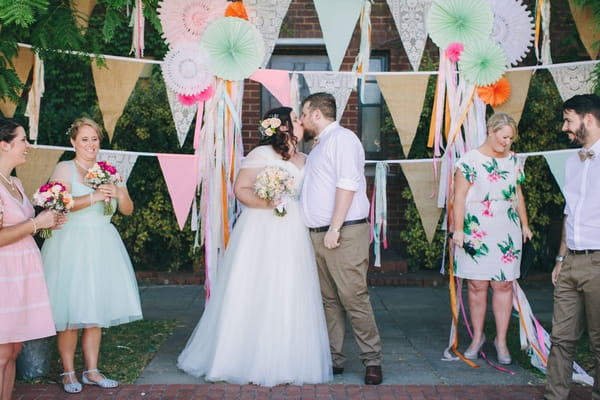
point(25, 312)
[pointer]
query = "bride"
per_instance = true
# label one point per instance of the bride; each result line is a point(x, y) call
point(264, 323)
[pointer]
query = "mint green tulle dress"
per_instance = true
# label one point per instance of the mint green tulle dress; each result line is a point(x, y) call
point(89, 275)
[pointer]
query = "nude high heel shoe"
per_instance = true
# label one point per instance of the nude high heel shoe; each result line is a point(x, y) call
point(473, 355)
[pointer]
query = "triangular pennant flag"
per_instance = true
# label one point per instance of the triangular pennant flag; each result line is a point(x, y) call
point(587, 28)
point(23, 63)
point(519, 87)
point(38, 168)
point(181, 175)
point(182, 115)
point(122, 161)
point(409, 17)
point(337, 31)
point(421, 181)
point(404, 95)
point(276, 81)
point(573, 79)
point(267, 16)
point(83, 9)
point(114, 83)
point(556, 161)
point(339, 84)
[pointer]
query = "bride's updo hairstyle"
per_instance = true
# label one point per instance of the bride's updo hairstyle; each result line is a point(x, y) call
point(276, 130)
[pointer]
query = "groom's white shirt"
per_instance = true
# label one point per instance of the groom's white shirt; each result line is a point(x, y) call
point(337, 161)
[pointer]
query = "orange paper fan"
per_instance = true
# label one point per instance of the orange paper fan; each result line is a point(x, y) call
point(237, 9)
point(496, 93)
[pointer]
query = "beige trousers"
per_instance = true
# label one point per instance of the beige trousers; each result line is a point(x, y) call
point(576, 303)
point(343, 279)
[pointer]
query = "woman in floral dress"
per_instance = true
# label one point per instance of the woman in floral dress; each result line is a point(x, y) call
point(490, 225)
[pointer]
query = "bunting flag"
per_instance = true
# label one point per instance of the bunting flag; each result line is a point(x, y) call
point(180, 173)
point(409, 17)
point(123, 162)
point(556, 161)
point(38, 168)
point(114, 83)
point(34, 99)
point(182, 115)
point(277, 83)
point(587, 28)
point(421, 181)
point(573, 79)
point(23, 63)
point(519, 84)
point(404, 95)
point(267, 16)
point(337, 31)
point(83, 10)
point(340, 85)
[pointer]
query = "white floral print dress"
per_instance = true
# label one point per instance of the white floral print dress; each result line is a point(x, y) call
point(493, 238)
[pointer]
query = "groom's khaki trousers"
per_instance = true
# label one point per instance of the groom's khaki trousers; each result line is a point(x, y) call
point(343, 280)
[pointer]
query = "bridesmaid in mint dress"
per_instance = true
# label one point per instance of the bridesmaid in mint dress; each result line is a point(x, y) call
point(24, 307)
point(90, 278)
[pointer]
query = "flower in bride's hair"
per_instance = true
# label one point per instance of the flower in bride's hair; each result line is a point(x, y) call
point(268, 127)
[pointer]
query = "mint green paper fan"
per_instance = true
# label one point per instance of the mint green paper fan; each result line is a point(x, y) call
point(461, 21)
point(482, 62)
point(236, 48)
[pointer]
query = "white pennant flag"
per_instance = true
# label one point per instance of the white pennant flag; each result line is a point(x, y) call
point(339, 84)
point(409, 16)
point(267, 16)
point(123, 161)
point(182, 115)
point(573, 79)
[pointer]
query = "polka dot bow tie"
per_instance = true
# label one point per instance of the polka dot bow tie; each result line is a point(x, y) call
point(584, 154)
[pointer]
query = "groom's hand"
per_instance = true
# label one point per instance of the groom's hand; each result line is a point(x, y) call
point(331, 240)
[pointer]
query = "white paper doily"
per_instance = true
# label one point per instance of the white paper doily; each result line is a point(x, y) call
point(187, 69)
point(513, 29)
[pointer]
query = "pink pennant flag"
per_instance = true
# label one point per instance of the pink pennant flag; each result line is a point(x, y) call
point(277, 81)
point(180, 172)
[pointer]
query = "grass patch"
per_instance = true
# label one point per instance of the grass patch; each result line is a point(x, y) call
point(125, 350)
point(583, 356)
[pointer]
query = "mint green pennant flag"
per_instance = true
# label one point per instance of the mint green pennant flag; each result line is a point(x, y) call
point(338, 19)
point(556, 161)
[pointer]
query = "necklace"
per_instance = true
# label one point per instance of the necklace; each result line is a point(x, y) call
point(9, 181)
point(80, 165)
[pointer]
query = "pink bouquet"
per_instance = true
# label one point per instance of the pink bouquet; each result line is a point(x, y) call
point(275, 183)
point(103, 172)
point(54, 196)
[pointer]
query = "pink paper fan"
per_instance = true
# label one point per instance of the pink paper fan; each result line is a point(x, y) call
point(196, 98)
point(185, 20)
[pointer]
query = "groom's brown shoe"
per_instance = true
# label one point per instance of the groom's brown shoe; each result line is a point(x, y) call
point(373, 375)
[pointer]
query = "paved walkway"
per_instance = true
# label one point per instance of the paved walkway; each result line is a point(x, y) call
point(413, 322)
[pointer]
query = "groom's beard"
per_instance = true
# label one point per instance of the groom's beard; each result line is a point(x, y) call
point(308, 135)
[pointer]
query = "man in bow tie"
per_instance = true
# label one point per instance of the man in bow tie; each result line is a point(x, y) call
point(576, 274)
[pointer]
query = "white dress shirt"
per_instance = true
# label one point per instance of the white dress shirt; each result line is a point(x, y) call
point(337, 161)
point(582, 207)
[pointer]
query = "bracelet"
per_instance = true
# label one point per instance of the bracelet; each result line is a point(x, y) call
point(34, 226)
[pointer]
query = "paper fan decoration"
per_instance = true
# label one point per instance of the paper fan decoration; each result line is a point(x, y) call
point(235, 46)
point(482, 62)
point(185, 20)
point(496, 93)
point(513, 29)
point(461, 21)
point(187, 69)
point(237, 9)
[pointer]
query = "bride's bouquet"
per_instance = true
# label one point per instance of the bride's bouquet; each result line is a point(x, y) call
point(103, 172)
point(275, 183)
point(54, 196)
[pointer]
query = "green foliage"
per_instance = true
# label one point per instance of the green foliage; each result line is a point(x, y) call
point(419, 252)
point(20, 12)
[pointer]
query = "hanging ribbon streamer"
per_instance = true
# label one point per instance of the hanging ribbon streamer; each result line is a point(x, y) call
point(542, 31)
point(379, 211)
point(35, 97)
point(361, 63)
point(137, 22)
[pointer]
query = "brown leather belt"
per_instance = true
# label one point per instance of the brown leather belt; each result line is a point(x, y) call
point(346, 223)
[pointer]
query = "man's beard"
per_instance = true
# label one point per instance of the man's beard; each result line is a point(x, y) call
point(308, 135)
point(579, 135)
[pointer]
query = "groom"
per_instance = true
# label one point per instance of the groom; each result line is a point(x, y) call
point(335, 207)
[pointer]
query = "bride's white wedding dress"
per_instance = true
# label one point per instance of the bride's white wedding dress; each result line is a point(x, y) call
point(264, 322)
